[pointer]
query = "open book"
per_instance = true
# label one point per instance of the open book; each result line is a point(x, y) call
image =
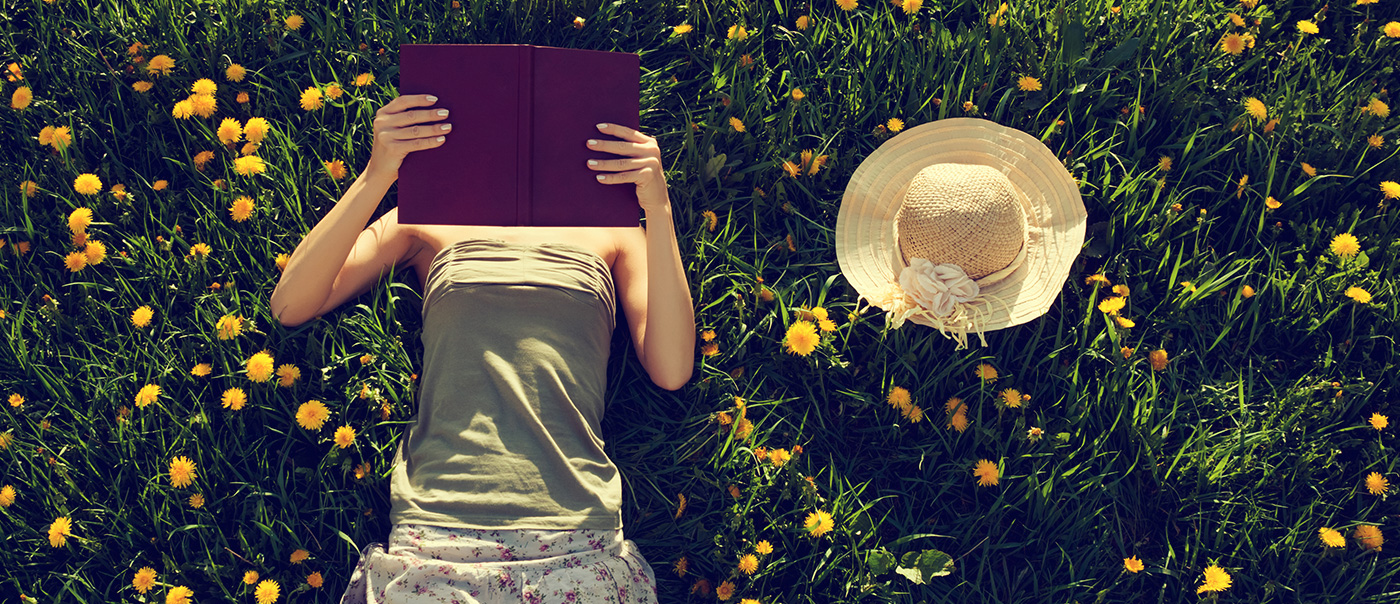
point(521, 115)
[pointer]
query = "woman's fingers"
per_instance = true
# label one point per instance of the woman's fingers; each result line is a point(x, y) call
point(623, 132)
point(614, 165)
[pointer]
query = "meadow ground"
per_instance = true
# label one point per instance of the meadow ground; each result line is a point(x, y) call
point(1202, 414)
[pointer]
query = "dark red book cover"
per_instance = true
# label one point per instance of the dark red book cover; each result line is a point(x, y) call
point(521, 115)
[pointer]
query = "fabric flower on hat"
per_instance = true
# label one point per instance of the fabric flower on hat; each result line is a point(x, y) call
point(937, 287)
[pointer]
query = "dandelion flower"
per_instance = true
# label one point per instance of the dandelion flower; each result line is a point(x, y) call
point(1028, 84)
point(1392, 29)
point(1097, 280)
point(344, 436)
point(241, 209)
point(958, 421)
point(315, 580)
point(60, 531)
point(1158, 358)
point(1346, 245)
point(1256, 108)
point(898, 398)
point(1379, 421)
point(178, 595)
point(204, 86)
point(364, 79)
point(87, 184)
point(1308, 169)
point(256, 129)
point(726, 589)
point(1307, 27)
point(249, 165)
point(260, 367)
point(1378, 108)
point(287, 375)
point(234, 398)
point(197, 501)
point(1164, 163)
point(846, 5)
point(299, 556)
point(250, 577)
point(1011, 397)
point(228, 327)
point(333, 90)
point(79, 219)
point(1271, 203)
point(1111, 306)
point(1376, 484)
point(230, 131)
point(1232, 43)
point(21, 98)
point(819, 523)
point(748, 564)
point(312, 415)
point(7, 496)
point(160, 65)
point(141, 86)
point(235, 72)
point(182, 110)
point(802, 338)
point(1331, 537)
point(1375, 141)
point(986, 473)
point(1369, 536)
point(144, 579)
point(894, 124)
point(267, 591)
point(147, 395)
point(1125, 322)
point(986, 372)
point(1390, 189)
point(294, 22)
point(182, 472)
point(764, 547)
point(311, 99)
point(1132, 564)
point(141, 317)
point(1216, 579)
point(1360, 295)
point(336, 169)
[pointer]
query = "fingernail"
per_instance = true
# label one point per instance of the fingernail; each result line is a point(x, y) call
point(592, 142)
point(602, 126)
point(592, 162)
point(432, 98)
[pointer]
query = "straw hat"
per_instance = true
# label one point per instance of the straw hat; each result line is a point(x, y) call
point(961, 224)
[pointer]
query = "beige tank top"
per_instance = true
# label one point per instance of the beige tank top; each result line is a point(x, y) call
point(516, 341)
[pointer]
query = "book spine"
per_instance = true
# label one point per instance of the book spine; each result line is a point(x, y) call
point(524, 199)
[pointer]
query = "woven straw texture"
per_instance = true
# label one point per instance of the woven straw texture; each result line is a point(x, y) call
point(867, 249)
point(963, 214)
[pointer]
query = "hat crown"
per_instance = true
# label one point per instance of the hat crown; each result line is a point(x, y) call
point(963, 214)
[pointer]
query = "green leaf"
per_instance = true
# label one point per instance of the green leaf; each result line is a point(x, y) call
point(880, 561)
point(1073, 41)
point(918, 566)
point(1120, 53)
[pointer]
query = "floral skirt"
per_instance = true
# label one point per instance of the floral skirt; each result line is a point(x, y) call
point(426, 563)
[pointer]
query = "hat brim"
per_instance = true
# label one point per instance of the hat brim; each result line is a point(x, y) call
point(866, 248)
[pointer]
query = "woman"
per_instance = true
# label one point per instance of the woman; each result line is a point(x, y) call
point(501, 491)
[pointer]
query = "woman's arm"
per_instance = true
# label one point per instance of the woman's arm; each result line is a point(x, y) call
point(670, 316)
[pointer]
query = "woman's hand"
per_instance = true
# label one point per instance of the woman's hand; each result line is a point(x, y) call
point(642, 165)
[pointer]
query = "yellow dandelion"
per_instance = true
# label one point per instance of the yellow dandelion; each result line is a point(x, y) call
point(7, 496)
point(144, 579)
point(311, 99)
point(241, 209)
point(1392, 29)
point(1370, 536)
point(802, 338)
point(182, 110)
point(294, 22)
point(141, 317)
point(1308, 169)
point(1256, 108)
point(87, 184)
point(764, 547)
point(1028, 84)
point(985, 372)
point(1307, 27)
point(726, 589)
point(315, 580)
point(1358, 294)
point(234, 72)
point(364, 79)
point(197, 501)
point(250, 577)
point(819, 523)
point(267, 591)
point(21, 98)
point(1379, 421)
point(1111, 306)
point(1233, 44)
point(1216, 579)
point(1345, 245)
point(234, 398)
point(182, 471)
point(1271, 203)
point(1375, 141)
point(1158, 358)
point(986, 473)
point(1376, 484)
point(312, 415)
point(333, 90)
point(256, 129)
point(147, 395)
point(287, 375)
point(259, 366)
point(846, 5)
point(682, 29)
point(178, 595)
point(748, 564)
point(60, 531)
point(249, 165)
point(160, 65)
point(230, 131)
point(1377, 108)
point(1331, 537)
point(1390, 189)
point(141, 86)
point(894, 124)
point(1011, 398)
point(1164, 163)
point(1097, 280)
point(1132, 564)
point(898, 397)
point(204, 86)
point(299, 556)
point(335, 168)
point(344, 436)
point(228, 327)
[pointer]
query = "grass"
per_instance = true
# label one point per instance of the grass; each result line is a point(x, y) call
point(1253, 437)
